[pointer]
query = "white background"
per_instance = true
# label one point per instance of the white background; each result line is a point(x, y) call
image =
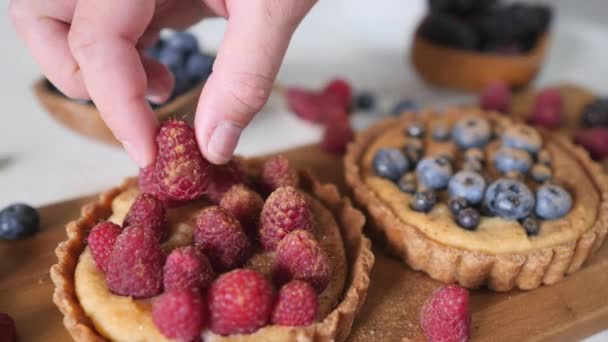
point(365, 41)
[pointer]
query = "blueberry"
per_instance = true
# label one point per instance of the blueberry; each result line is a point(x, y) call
point(183, 41)
point(522, 137)
point(365, 101)
point(405, 106)
point(446, 30)
point(540, 173)
point(182, 83)
point(473, 165)
point(390, 163)
point(18, 221)
point(468, 185)
point(544, 157)
point(474, 154)
point(171, 57)
point(471, 131)
point(154, 51)
point(552, 201)
point(468, 218)
point(407, 183)
point(440, 132)
point(510, 199)
point(423, 201)
point(510, 159)
point(198, 67)
point(415, 130)
point(531, 226)
point(434, 172)
point(596, 113)
point(456, 204)
point(413, 150)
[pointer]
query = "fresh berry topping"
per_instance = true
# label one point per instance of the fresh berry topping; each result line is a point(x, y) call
point(407, 183)
point(8, 331)
point(552, 201)
point(596, 113)
point(222, 178)
point(219, 235)
point(471, 131)
point(403, 106)
point(299, 256)
point(365, 101)
point(147, 181)
point(187, 268)
point(509, 198)
point(414, 150)
point(101, 241)
point(423, 201)
point(340, 92)
point(240, 302)
point(522, 137)
point(180, 314)
point(456, 204)
point(284, 211)
point(547, 109)
point(182, 41)
point(440, 132)
point(415, 130)
point(531, 226)
point(468, 218)
point(448, 31)
point(296, 304)
point(306, 104)
point(390, 163)
point(18, 221)
point(181, 170)
point(277, 172)
point(434, 172)
point(497, 97)
point(244, 204)
point(594, 140)
point(338, 133)
point(474, 154)
point(135, 267)
point(445, 315)
point(510, 159)
point(540, 173)
point(468, 185)
point(148, 211)
point(198, 67)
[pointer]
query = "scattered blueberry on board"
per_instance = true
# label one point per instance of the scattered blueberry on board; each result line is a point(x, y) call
point(18, 221)
point(365, 101)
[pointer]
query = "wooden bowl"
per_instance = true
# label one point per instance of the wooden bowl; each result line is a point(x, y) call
point(85, 119)
point(469, 70)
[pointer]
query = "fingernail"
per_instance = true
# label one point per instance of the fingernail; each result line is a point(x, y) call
point(135, 154)
point(223, 141)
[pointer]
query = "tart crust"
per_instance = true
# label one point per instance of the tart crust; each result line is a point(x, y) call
point(336, 326)
point(472, 268)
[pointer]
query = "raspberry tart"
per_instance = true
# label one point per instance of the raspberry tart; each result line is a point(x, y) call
point(471, 197)
point(189, 251)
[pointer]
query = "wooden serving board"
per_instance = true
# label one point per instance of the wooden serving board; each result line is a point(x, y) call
point(571, 309)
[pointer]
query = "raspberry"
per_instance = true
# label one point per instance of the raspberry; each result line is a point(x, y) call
point(296, 304)
point(8, 331)
point(244, 204)
point(147, 183)
point(284, 211)
point(136, 263)
point(222, 178)
point(340, 93)
point(180, 314)
point(219, 235)
point(547, 109)
point(338, 133)
point(594, 140)
point(307, 105)
point(148, 211)
point(299, 256)
point(240, 302)
point(496, 97)
point(277, 172)
point(187, 268)
point(445, 316)
point(181, 171)
point(101, 242)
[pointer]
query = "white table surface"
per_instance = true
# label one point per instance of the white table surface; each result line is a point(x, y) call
point(366, 42)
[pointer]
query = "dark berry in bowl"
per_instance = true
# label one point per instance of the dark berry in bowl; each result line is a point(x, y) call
point(468, 218)
point(596, 113)
point(461, 7)
point(18, 221)
point(448, 31)
point(423, 201)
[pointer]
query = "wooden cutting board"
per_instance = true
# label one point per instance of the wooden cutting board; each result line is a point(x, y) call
point(571, 309)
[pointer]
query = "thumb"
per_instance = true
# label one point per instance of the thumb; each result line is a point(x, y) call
point(246, 66)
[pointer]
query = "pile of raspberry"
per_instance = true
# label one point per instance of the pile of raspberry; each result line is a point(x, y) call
point(205, 285)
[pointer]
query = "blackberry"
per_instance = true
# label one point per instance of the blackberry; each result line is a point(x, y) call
point(596, 113)
point(448, 31)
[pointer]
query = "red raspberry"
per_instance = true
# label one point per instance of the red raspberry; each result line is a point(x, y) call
point(341, 93)
point(338, 133)
point(547, 109)
point(222, 178)
point(306, 104)
point(240, 302)
point(296, 304)
point(136, 263)
point(445, 315)
point(244, 204)
point(101, 242)
point(8, 331)
point(147, 183)
point(219, 235)
point(284, 211)
point(496, 97)
point(299, 256)
point(187, 268)
point(277, 172)
point(148, 211)
point(180, 314)
point(594, 140)
point(181, 170)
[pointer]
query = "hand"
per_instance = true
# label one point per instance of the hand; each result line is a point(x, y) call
point(92, 49)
